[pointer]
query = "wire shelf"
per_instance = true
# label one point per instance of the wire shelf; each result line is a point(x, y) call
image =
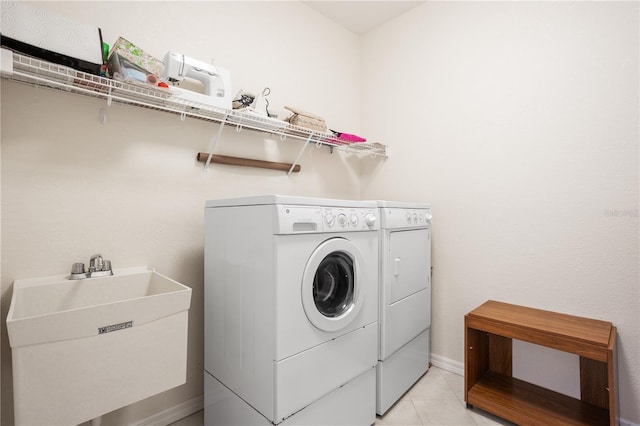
point(40, 73)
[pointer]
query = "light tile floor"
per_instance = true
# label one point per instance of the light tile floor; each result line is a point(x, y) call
point(436, 399)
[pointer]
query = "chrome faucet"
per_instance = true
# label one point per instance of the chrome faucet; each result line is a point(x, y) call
point(98, 267)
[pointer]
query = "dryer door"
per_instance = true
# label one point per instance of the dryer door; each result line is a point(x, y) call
point(332, 291)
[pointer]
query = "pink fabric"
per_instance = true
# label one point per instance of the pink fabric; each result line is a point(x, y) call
point(350, 138)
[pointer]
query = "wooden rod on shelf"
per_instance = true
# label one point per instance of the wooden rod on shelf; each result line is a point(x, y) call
point(247, 162)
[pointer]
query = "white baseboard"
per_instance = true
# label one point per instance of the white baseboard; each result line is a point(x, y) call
point(447, 364)
point(173, 414)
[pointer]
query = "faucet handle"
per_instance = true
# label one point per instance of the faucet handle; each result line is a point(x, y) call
point(107, 265)
point(77, 271)
point(77, 268)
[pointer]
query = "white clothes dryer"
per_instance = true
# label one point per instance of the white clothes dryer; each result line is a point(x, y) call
point(291, 308)
point(405, 299)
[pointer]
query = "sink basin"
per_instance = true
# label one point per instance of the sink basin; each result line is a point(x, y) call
point(82, 348)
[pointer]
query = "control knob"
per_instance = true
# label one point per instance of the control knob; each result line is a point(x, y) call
point(370, 219)
point(329, 219)
point(354, 219)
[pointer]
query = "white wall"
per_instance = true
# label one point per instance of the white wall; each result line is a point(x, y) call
point(132, 189)
point(518, 121)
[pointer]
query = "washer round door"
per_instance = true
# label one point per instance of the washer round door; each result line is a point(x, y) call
point(332, 284)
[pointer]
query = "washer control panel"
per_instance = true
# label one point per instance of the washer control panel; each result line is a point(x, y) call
point(300, 219)
point(405, 218)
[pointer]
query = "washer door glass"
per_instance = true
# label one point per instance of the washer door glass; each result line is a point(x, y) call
point(332, 284)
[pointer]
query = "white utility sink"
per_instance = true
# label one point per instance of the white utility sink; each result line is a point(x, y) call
point(82, 348)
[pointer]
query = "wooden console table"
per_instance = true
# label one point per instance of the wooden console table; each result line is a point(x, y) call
point(488, 381)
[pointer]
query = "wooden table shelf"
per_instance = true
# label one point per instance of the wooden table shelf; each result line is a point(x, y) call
point(489, 330)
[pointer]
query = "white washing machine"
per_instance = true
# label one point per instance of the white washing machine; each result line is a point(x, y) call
point(291, 310)
point(405, 299)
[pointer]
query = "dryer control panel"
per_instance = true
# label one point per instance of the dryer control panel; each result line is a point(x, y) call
point(405, 218)
point(308, 219)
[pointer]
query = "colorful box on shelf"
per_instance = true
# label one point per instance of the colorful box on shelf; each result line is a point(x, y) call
point(136, 56)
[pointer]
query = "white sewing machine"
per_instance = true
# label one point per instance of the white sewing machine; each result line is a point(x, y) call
point(216, 80)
